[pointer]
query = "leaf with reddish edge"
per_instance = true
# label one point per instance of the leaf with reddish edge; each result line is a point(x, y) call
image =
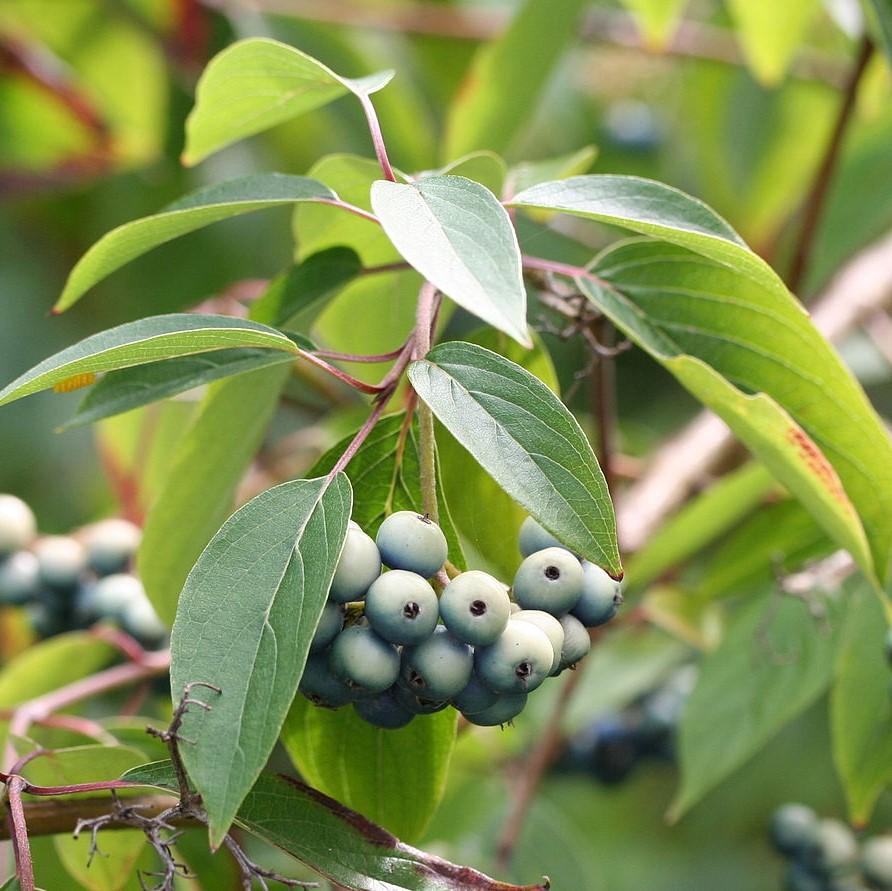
point(337, 842)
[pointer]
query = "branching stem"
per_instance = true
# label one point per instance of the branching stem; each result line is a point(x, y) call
point(371, 117)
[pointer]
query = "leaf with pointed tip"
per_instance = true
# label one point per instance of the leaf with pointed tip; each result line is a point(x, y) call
point(255, 84)
point(457, 235)
point(244, 623)
point(753, 356)
point(144, 341)
point(194, 211)
point(879, 13)
point(335, 841)
point(656, 19)
point(526, 439)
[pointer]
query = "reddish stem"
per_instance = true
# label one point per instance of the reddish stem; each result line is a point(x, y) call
point(354, 382)
point(398, 266)
point(359, 357)
point(560, 268)
point(371, 117)
point(350, 208)
point(71, 789)
point(24, 866)
point(361, 436)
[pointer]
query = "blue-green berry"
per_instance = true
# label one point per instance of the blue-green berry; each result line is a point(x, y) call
point(109, 597)
point(45, 619)
point(61, 560)
point(439, 668)
point(363, 660)
point(552, 627)
point(601, 597)
point(384, 710)
point(410, 541)
point(331, 623)
point(139, 619)
point(831, 849)
point(876, 861)
point(534, 538)
point(19, 578)
point(358, 566)
point(320, 686)
point(402, 607)
point(549, 580)
point(418, 705)
point(475, 607)
point(111, 545)
point(503, 711)
point(476, 697)
point(518, 662)
point(577, 642)
point(792, 828)
point(799, 878)
point(17, 525)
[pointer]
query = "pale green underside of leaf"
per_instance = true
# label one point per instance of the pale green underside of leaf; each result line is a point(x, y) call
point(205, 468)
point(147, 340)
point(339, 843)
point(525, 438)
point(396, 778)
point(860, 717)
point(196, 210)
point(772, 665)
point(507, 75)
point(747, 352)
point(245, 620)
point(457, 235)
point(257, 83)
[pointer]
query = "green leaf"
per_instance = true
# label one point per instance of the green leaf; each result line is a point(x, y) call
point(81, 764)
point(144, 341)
point(111, 869)
point(860, 717)
point(771, 33)
point(194, 211)
point(879, 12)
point(11, 884)
point(295, 299)
point(507, 76)
point(484, 167)
point(457, 235)
point(525, 438)
point(698, 523)
point(255, 84)
point(207, 465)
point(490, 534)
point(775, 661)
point(394, 777)
point(385, 475)
point(244, 623)
point(121, 391)
point(531, 173)
point(339, 843)
point(657, 19)
point(754, 358)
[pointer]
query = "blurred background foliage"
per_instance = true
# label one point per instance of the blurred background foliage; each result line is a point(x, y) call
point(733, 102)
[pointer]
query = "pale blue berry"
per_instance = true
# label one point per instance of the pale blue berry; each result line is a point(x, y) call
point(61, 560)
point(503, 711)
point(601, 597)
point(17, 525)
point(876, 861)
point(534, 538)
point(577, 642)
point(475, 697)
point(402, 607)
point(439, 668)
point(320, 686)
point(408, 540)
point(518, 662)
point(331, 622)
point(19, 578)
point(358, 566)
point(384, 710)
point(363, 660)
point(475, 607)
point(553, 629)
point(549, 580)
point(111, 545)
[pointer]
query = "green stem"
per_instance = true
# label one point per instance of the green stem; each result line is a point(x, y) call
point(427, 446)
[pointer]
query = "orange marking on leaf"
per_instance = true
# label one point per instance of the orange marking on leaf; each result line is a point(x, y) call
point(76, 382)
point(815, 461)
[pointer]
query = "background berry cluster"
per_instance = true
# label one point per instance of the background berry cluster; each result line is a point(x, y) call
point(390, 646)
point(825, 855)
point(65, 582)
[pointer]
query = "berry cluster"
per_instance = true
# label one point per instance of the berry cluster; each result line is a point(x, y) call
point(66, 582)
point(611, 747)
point(390, 646)
point(825, 855)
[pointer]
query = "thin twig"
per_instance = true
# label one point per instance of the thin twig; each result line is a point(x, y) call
point(24, 866)
point(817, 196)
point(374, 124)
point(350, 208)
point(428, 307)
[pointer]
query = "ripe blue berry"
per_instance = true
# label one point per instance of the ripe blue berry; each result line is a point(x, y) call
point(139, 619)
point(331, 622)
point(109, 597)
point(601, 597)
point(45, 620)
point(111, 545)
point(792, 826)
point(17, 525)
point(61, 560)
point(320, 686)
point(359, 565)
point(19, 578)
point(475, 607)
point(402, 607)
point(476, 697)
point(384, 710)
point(418, 705)
point(553, 629)
point(549, 580)
point(506, 708)
point(831, 848)
point(577, 642)
point(439, 668)
point(534, 538)
point(518, 662)
point(799, 878)
point(363, 660)
point(876, 861)
point(410, 541)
